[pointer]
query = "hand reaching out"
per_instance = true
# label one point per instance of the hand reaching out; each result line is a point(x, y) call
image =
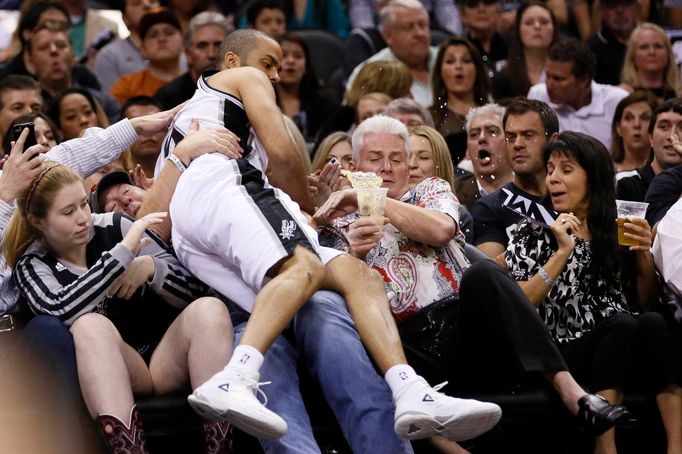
point(339, 204)
point(323, 182)
point(208, 140)
point(134, 240)
point(139, 178)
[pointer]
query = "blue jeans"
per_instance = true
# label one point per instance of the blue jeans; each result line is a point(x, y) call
point(323, 336)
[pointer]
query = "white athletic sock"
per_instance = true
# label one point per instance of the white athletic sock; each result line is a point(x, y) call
point(247, 358)
point(400, 376)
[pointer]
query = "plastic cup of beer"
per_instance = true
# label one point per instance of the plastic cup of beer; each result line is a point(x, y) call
point(627, 211)
point(371, 202)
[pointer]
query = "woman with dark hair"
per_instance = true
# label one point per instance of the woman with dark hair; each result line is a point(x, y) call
point(299, 91)
point(535, 30)
point(630, 148)
point(584, 284)
point(459, 82)
point(45, 131)
point(75, 110)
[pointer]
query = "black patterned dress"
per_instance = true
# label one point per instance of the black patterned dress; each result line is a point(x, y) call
point(577, 302)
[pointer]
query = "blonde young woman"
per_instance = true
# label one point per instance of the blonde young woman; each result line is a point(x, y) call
point(650, 64)
point(125, 297)
point(429, 156)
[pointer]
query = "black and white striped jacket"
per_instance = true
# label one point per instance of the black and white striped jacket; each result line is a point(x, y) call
point(55, 287)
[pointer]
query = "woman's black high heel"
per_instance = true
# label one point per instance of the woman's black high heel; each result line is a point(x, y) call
point(597, 415)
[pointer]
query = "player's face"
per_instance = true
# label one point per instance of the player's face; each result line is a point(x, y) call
point(266, 56)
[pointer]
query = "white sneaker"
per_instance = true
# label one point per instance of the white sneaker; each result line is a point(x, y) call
point(230, 395)
point(422, 412)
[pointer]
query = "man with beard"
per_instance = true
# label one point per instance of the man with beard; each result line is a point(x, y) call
point(204, 34)
point(488, 155)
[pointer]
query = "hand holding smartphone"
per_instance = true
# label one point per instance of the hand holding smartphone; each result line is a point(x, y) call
point(30, 139)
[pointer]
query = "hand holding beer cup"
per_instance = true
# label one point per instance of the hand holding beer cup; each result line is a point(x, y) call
point(633, 228)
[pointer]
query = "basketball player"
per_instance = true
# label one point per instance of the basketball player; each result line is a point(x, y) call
point(251, 242)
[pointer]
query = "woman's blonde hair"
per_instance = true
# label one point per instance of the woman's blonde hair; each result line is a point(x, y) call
point(442, 162)
point(390, 77)
point(34, 201)
point(326, 146)
point(671, 76)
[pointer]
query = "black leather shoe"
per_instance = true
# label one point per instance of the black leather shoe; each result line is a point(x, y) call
point(597, 415)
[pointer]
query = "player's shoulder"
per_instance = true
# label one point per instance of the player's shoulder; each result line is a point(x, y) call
point(238, 76)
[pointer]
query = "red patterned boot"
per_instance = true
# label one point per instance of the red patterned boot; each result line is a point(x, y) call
point(218, 437)
point(122, 438)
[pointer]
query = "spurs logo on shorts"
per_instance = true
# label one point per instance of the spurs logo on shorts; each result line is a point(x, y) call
point(288, 228)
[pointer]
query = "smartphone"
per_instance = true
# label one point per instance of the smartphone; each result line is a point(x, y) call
point(30, 140)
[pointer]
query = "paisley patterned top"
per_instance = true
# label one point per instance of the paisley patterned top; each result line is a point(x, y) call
point(576, 303)
point(415, 274)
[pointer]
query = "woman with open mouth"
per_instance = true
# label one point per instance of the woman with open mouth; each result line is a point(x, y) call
point(460, 82)
point(630, 146)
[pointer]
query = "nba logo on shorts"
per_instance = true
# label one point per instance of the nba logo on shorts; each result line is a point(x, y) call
point(245, 358)
point(288, 228)
point(403, 375)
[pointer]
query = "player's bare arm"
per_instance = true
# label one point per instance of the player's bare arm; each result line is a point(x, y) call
point(255, 91)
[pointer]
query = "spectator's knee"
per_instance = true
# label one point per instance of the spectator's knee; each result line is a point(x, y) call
point(309, 263)
point(209, 311)
point(479, 272)
point(92, 328)
point(623, 325)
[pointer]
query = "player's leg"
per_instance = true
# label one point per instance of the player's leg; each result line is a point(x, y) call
point(421, 411)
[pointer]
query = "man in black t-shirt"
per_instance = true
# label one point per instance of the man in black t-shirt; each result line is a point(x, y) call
point(664, 191)
point(528, 125)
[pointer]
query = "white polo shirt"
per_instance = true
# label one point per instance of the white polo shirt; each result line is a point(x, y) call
point(593, 119)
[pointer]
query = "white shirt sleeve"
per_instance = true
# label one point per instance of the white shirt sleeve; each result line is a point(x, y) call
point(97, 148)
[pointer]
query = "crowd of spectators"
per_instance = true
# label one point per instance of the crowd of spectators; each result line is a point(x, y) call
point(502, 130)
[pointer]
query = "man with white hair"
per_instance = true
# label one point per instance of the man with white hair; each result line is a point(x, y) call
point(405, 25)
point(487, 151)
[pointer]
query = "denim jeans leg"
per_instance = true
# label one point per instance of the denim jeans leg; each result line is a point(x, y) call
point(358, 395)
point(284, 397)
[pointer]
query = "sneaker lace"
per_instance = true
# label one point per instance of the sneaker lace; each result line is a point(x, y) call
point(255, 385)
point(440, 386)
